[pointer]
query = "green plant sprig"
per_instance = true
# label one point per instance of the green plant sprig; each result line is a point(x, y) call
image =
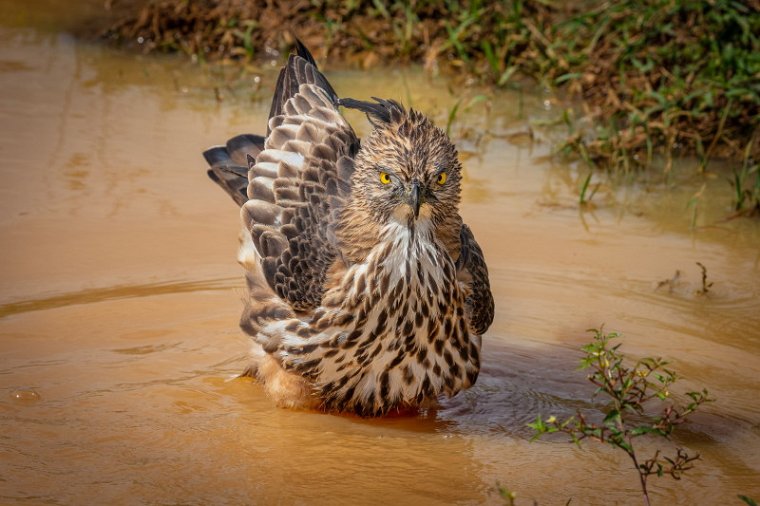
point(631, 390)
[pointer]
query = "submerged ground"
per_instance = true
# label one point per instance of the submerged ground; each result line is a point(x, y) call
point(120, 296)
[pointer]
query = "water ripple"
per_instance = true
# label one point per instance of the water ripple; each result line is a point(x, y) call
point(93, 295)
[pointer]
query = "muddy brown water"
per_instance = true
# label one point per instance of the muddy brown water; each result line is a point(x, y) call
point(120, 297)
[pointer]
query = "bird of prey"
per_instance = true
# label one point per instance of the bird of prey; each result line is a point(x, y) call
point(366, 291)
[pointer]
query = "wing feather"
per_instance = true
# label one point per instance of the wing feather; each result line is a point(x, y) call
point(298, 183)
point(473, 270)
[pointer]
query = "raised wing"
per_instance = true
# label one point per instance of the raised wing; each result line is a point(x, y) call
point(299, 182)
point(471, 268)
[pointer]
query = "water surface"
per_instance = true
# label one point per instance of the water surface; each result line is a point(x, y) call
point(120, 296)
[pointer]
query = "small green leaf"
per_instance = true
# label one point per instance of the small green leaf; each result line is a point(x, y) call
point(507, 75)
point(624, 445)
point(452, 116)
point(612, 417)
point(643, 429)
point(539, 427)
point(567, 77)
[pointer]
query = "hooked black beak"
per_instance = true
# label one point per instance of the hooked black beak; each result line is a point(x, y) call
point(415, 198)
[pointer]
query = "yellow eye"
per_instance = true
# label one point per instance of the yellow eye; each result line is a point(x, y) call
point(442, 178)
point(385, 178)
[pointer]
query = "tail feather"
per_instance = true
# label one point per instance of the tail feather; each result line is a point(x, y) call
point(229, 166)
point(240, 146)
point(216, 155)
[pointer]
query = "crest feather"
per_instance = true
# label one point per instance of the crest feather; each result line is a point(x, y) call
point(379, 111)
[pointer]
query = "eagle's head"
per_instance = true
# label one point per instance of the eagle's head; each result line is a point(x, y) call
point(407, 169)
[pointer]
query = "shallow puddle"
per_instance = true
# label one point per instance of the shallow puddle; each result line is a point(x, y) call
point(120, 297)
